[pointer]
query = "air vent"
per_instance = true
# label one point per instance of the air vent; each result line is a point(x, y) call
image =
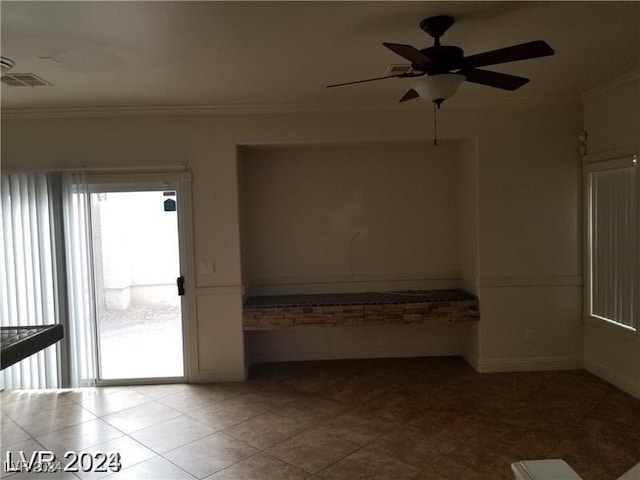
point(397, 69)
point(24, 80)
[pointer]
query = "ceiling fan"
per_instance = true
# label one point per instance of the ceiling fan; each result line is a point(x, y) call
point(444, 67)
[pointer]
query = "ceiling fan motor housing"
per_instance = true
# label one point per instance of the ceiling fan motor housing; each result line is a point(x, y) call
point(443, 58)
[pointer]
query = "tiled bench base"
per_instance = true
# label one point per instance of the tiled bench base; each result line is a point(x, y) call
point(335, 310)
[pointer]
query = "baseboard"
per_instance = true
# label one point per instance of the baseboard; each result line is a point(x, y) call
point(213, 376)
point(473, 361)
point(526, 364)
point(608, 374)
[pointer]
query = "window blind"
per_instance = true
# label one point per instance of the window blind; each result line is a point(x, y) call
point(612, 241)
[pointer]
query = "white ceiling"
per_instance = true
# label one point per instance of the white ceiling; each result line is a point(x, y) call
point(284, 53)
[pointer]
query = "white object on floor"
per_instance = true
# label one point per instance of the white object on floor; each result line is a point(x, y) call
point(544, 470)
point(633, 474)
point(557, 470)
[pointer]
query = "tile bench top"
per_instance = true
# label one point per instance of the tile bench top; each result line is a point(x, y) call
point(364, 298)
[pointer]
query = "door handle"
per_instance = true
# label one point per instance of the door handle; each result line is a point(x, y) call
point(180, 284)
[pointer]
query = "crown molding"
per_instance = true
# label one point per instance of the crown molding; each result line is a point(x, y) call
point(256, 109)
point(186, 110)
point(632, 76)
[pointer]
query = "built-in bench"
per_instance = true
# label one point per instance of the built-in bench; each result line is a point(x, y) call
point(359, 309)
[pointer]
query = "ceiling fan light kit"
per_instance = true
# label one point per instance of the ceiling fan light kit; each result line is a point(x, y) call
point(437, 88)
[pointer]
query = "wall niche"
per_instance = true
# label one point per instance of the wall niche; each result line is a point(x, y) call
point(338, 218)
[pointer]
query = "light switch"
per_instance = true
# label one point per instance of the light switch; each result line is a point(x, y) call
point(207, 266)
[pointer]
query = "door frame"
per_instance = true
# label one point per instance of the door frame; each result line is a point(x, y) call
point(180, 182)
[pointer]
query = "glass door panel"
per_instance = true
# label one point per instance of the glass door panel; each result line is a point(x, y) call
point(137, 264)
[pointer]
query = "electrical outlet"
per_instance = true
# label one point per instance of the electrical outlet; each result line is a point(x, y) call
point(529, 336)
point(207, 266)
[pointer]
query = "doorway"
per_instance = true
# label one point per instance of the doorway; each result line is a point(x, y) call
point(138, 282)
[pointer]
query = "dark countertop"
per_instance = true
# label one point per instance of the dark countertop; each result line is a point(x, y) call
point(364, 298)
point(17, 343)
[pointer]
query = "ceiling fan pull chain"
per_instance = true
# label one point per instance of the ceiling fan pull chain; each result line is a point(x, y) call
point(435, 124)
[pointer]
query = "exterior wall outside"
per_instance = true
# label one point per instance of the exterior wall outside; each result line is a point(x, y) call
point(138, 243)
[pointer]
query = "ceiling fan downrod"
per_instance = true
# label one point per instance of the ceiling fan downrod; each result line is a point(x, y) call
point(436, 27)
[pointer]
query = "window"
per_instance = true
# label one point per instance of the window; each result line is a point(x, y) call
point(612, 240)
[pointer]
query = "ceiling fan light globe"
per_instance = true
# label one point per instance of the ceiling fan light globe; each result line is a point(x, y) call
point(439, 87)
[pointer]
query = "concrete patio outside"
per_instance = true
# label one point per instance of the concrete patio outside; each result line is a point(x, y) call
point(142, 341)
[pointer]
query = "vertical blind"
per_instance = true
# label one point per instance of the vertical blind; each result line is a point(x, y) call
point(45, 275)
point(612, 241)
point(27, 283)
point(81, 318)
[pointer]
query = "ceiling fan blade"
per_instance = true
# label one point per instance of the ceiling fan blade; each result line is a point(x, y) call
point(407, 51)
point(494, 79)
point(524, 51)
point(410, 95)
point(368, 80)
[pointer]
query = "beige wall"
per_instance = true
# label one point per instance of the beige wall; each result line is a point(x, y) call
point(527, 215)
point(529, 244)
point(358, 342)
point(468, 216)
point(346, 217)
point(612, 121)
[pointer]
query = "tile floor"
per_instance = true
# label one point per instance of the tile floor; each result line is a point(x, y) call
point(395, 419)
